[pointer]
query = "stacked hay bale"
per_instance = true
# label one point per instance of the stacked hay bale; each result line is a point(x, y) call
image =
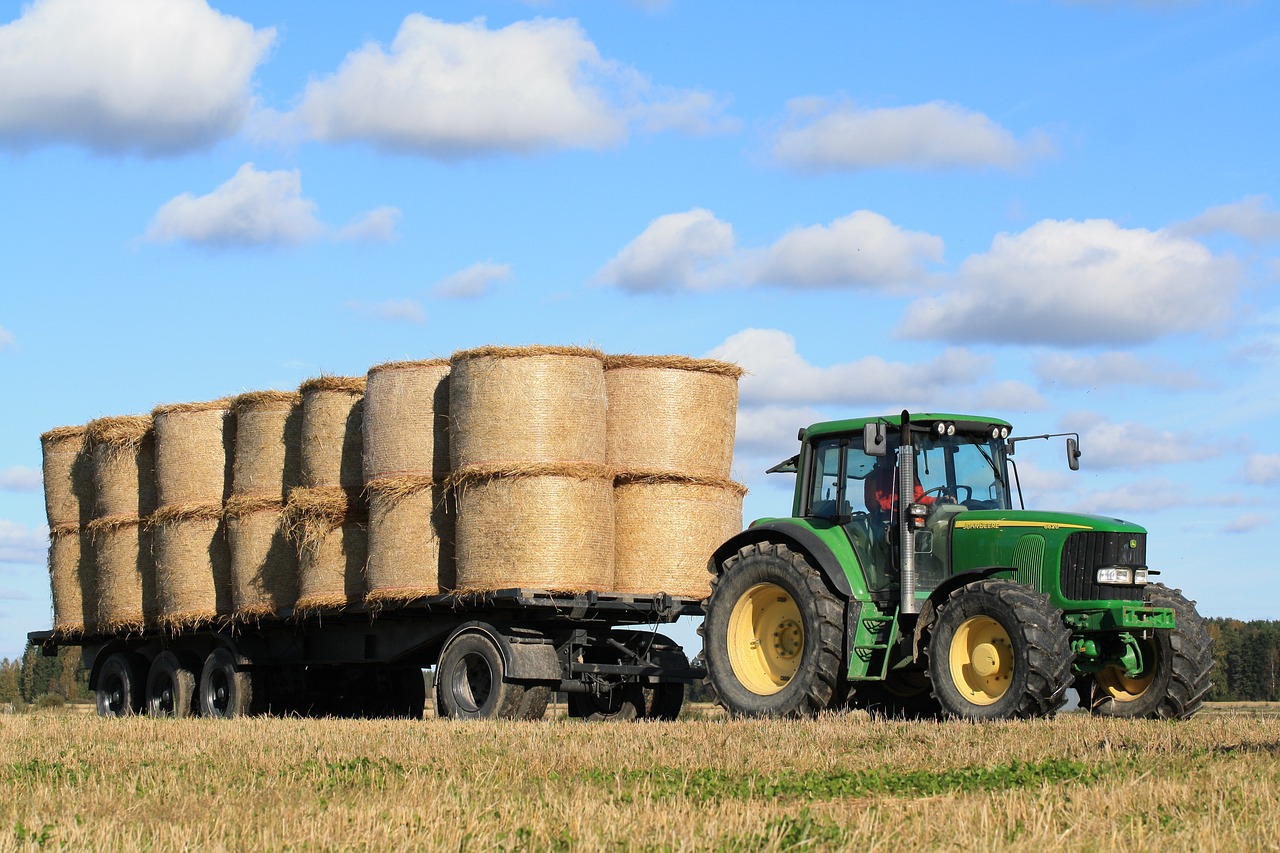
point(528, 448)
point(267, 466)
point(327, 515)
point(194, 451)
point(68, 497)
point(671, 427)
point(123, 454)
point(406, 466)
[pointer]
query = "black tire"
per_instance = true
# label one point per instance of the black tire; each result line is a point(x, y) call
point(225, 692)
point(997, 651)
point(121, 685)
point(171, 685)
point(903, 695)
point(625, 702)
point(773, 635)
point(471, 685)
point(664, 700)
point(408, 694)
point(1176, 682)
point(533, 705)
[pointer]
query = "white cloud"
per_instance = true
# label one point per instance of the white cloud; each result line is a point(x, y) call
point(771, 430)
point(20, 478)
point(1131, 444)
point(256, 208)
point(1262, 469)
point(1140, 496)
point(454, 90)
point(7, 340)
point(826, 136)
point(695, 250)
point(474, 281)
point(22, 544)
point(154, 77)
point(390, 311)
point(1248, 523)
point(1251, 218)
point(1112, 368)
point(1072, 283)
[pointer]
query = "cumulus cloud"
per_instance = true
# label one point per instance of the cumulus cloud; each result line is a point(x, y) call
point(1248, 523)
point(1074, 283)
point(474, 281)
point(256, 208)
point(1252, 218)
point(1112, 368)
point(22, 544)
point(1263, 469)
point(454, 90)
point(390, 311)
point(7, 340)
point(695, 250)
point(155, 77)
point(821, 135)
point(1131, 444)
point(20, 478)
point(1140, 496)
point(771, 430)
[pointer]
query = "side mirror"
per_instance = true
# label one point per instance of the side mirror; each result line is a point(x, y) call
point(1073, 454)
point(875, 439)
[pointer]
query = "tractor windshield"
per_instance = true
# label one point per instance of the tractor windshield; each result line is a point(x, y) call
point(963, 468)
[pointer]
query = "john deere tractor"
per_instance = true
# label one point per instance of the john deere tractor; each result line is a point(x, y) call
point(905, 582)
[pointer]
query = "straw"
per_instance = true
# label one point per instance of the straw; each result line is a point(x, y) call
point(68, 476)
point(410, 540)
point(268, 452)
point(126, 590)
point(406, 419)
point(264, 563)
point(72, 580)
point(194, 450)
point(193, 564)
point(123, 453)
point(332, 414)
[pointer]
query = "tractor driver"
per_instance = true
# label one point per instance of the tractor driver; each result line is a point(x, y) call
point(879, 491)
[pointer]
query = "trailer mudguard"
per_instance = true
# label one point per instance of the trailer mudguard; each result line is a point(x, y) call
point(796, 538)
point(524, 660)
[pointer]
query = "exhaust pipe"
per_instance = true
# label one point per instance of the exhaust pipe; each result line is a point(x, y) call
point(906, 497)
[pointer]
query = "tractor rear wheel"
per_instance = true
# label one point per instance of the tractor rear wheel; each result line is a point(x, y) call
point(773, 634)
point(1175, 680)
point(999, 650)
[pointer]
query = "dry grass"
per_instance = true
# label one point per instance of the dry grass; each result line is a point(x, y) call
point(1072, 783)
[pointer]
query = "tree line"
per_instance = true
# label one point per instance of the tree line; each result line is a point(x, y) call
point(34, 679)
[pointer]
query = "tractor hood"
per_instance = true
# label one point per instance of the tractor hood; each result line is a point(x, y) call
point(1006, 519)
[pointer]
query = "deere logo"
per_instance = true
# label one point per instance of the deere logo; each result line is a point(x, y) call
point(1133, 543)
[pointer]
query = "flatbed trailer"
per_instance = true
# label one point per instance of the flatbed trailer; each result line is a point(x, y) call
point(499, 653)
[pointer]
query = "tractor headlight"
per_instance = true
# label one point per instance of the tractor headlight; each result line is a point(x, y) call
point(1115, 575)
point(1140, 575)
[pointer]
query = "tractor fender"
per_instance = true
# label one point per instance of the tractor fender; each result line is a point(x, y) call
point(524, 661)
point(929, 610)
point(796, 538)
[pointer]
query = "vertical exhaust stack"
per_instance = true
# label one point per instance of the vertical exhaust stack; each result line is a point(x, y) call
point(906, 496)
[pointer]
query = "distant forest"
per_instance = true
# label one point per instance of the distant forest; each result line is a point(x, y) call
point(1246, 657)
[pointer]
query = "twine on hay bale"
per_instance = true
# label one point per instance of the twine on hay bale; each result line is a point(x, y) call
point(332, 431)
point(672, 414)
point(535, 526)
point(194, 450)
point(124, 465)
point(406, 419)
point(528, 404)
point(71, 580)
point(330, 529)
point(668, 526)
point(193, 564)
point(264, 563)
point(268, 452)
point(68, 476)
point(127, 598)
point(410, 540)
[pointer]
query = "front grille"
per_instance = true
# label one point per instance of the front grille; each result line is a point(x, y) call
point(1087, 551)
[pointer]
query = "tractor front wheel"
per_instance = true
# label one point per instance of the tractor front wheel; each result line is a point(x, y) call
point(1175, 677)
point(999, 651)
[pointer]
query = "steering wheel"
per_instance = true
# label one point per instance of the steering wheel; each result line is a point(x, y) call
point(947, 497)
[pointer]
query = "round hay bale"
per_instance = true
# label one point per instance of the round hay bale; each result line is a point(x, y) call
point(667, 529)
point(671, 414)
point(124, 466)
point(538, 527)
point(406, 420)
point(193, 565)
point(330, 529)
point(126, 589)
point(410, 540)
point(512, 405)
point(194, 451)
point(71, 580)
point(268, 453)
point(68, 476)
point(332, 432)
point(264, 563)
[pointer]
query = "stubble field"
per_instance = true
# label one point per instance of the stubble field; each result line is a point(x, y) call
point(1071, 783)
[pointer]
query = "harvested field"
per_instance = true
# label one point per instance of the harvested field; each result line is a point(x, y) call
point(1072, 783)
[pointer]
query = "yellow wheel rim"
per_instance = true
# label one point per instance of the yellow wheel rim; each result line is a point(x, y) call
point(766, 638)
point(981, 660)
point(1122, 688)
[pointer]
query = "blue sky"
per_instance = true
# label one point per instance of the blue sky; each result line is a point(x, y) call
point(1060, 213)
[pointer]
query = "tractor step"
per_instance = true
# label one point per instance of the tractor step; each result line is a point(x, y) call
point(873, 637)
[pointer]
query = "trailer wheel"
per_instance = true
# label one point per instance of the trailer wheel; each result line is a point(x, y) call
point(773, 634)
point(999, 651)
point(665, 700)
point(171, 685)
point(903, 695)
point(224, 691)
point(626, 701)
point(121, 685)
point(470, 681)
point(408, 694)
point(1175, 680)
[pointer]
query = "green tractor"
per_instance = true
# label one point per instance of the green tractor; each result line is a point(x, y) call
point(906, 583)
